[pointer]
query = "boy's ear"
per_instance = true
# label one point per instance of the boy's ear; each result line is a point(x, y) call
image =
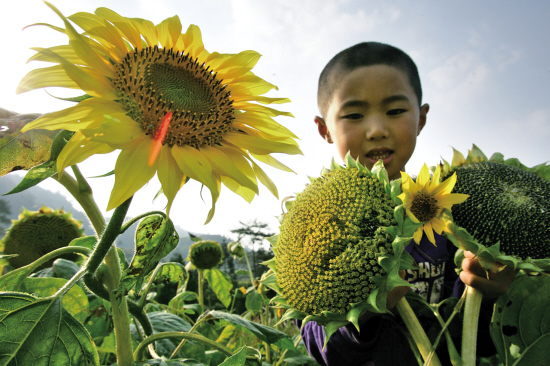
point(323, 129)
point(423, 116)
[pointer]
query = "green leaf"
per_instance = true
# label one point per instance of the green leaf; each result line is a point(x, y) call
point(220, 283)
point(35, 176)
point(112, 172)
point(155, 239)
point(241, 272)
point(22, 150)
point(263, 332)
point(170, 272)
point(87, 242)
point(166, 362)
point(520, 327)
point(75, 300)
point(64, 268)
point(238, 359)
point(42, 333)
point(162, 321)
point(254, 301)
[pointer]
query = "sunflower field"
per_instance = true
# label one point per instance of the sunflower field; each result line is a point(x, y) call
point(176, 111)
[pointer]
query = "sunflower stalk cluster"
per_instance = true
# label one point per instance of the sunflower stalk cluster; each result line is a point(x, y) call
point(505, 220)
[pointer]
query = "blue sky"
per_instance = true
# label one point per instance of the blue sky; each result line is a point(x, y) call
point(484, 65)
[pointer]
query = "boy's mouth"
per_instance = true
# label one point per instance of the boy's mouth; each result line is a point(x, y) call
point(379, 154)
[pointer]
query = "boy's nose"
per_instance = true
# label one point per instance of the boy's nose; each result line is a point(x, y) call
point(376, 129)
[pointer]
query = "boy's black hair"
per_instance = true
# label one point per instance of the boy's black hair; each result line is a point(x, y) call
point(364, 54)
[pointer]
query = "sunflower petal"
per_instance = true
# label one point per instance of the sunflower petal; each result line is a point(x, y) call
point(117, 133)
point(417, 236)
point(423, 178)
point(132, 171)
point(429, 232)
point(148, 30)
point(65, 51)
point(270, 160)
point(264, 123)
point(408, 184)
point(412, 216)
point(438, 225)
point(78, 149)
point(170, 175)
point(169, 31)
point(266, 181)
point(435, 179)
point(192, 42)
point(53, 76)
point(83, 49)
point(260, 146)
point(446, 187)
point(196, 166)
point(103, 32)
point(244, 192)
point(448, 200)
point(238, 65)
point(125, 26)
point(228, 163)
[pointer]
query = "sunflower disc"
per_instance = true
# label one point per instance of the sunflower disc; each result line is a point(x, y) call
point(326, 254)
point(507, 205)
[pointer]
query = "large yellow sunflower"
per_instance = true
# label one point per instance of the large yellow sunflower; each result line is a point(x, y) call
point(137, 76)
point(425, 200)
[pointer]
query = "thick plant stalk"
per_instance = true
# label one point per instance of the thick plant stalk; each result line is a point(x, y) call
point(82, 192)
point(417, 332)
point(469, 330)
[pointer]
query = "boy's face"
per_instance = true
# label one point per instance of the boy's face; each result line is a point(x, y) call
point(374, 114)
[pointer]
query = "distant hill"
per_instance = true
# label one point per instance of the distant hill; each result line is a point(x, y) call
point(33, 198)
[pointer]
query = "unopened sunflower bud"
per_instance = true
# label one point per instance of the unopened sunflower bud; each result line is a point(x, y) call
point(235, 249)
point(205, 254)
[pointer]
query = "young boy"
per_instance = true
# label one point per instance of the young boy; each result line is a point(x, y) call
point(370, 99)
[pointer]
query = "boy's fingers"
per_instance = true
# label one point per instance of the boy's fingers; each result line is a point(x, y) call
point(497, 285)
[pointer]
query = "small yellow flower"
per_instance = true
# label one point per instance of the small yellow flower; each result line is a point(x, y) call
point(171, 107)
point(425, 200)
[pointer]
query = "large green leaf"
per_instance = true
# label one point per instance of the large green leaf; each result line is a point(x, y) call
point(22, 150)
point(41, 332)
point(166, 322)
point(263, 332)
point(45, 170)
point(521, 323)
point(75, 300)
point(220, 283)
point(155, 239)
point(254, 301)
point(170, 272)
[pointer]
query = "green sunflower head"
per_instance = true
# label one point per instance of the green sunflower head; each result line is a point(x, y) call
point(36, 233)
point(340, 246)
point(507, 216)
point(205, 254)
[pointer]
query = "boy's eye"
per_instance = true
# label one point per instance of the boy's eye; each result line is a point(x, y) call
point(395, 112)
point(353, 116)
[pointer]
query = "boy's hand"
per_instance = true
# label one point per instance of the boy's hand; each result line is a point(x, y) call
point(492, 286)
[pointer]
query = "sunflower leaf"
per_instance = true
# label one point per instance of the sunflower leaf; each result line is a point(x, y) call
point(221, 284)
point(42, 325)
point(520, 327)
point(22, 150)
point(263, 332)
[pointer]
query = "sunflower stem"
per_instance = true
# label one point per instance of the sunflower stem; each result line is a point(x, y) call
point(129, 223)
point(469, 332)
point(417, 332)
point(138, 353)
point(85, 198)
point(201, 284)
